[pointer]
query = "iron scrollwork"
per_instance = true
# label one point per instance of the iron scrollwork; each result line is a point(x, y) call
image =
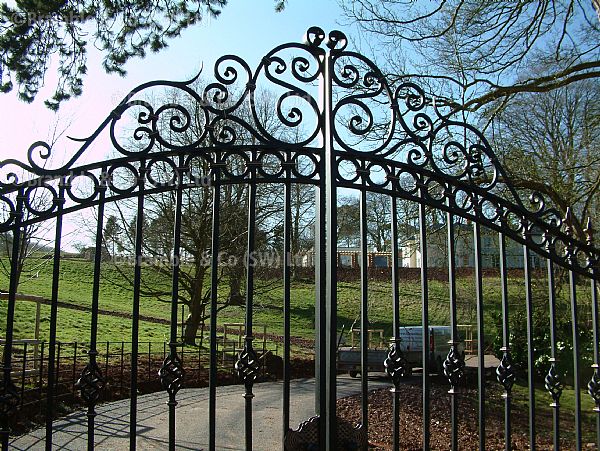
point(247, 365)
point(505, 373)
point(395, 139)
point(396, 134)
point(306, 436)
point(396, 365)
point(171, 374)
point(553, 384)
point(454, 366)
point(90, 383)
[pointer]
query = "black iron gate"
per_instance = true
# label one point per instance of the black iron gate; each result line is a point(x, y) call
point(334, 123)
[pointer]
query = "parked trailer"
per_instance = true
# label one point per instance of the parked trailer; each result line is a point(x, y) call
point(349, 360)
point(411, 345)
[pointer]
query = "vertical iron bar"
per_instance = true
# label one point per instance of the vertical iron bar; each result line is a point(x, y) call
point(54, 317)
point(331, 256)
point(480, 331)
point(396, 320)
point(452, 362)
point(41, 383)
point(576, 381)
point(214, 287)
point(596, 366)
point(73, 370)
point(57, 370)
point(139, 228)
point(594, 383)
point(507, 378)
point(93, 351)
point(364, 309)
point(552, 381)
point(321, 272)
point(250, 364)
point(287, 262)
point(171, 384)
point(424, 316)
point(8, 385)
point(530, 349)
point(122, 364)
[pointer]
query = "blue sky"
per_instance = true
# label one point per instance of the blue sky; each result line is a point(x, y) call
point(248, 28)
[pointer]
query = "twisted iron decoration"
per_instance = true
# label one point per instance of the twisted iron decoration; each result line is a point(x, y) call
point(396, 365)
point(247, 365)
point(505, 373)
point(553, 385)
point(594, 388)
point(90, 383)
point(171, 374)
point(454, 366)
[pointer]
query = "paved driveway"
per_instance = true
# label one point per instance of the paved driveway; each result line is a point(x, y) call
point(112, 422)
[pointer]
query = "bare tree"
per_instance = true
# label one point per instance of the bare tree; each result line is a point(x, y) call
point(482, 48)
point(33, 238)
point(348, 221)
point(378, 221)
point(549, 142)
point(196, 227)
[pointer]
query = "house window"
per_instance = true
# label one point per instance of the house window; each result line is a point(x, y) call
point(495, 261)
point(380, 261)
point(346, 261)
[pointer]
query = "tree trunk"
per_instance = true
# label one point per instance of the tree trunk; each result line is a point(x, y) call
point(192, 322)
point(196, 316)
point(236, 274)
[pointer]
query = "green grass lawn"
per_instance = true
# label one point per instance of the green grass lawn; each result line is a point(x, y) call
point(75, 287)
point(544, 411)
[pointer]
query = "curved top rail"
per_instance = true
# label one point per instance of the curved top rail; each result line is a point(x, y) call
point(396, 130)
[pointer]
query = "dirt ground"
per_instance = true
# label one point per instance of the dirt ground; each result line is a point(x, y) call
point(380, 421)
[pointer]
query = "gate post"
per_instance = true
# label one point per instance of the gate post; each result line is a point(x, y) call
point(331, 250)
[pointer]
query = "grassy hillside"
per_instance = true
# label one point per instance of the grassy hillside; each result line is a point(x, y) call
point(75, 287)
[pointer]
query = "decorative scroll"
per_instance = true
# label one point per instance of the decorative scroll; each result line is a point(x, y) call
point(306, 437)
point(393, 138)
point(247, 365)
point(454, 366)
point(505, 373)
point(396, 365)
point(90, 383)
point(553, 384)
point(171, 374)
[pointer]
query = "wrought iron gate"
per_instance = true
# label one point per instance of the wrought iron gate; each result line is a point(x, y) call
point(340, 125)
